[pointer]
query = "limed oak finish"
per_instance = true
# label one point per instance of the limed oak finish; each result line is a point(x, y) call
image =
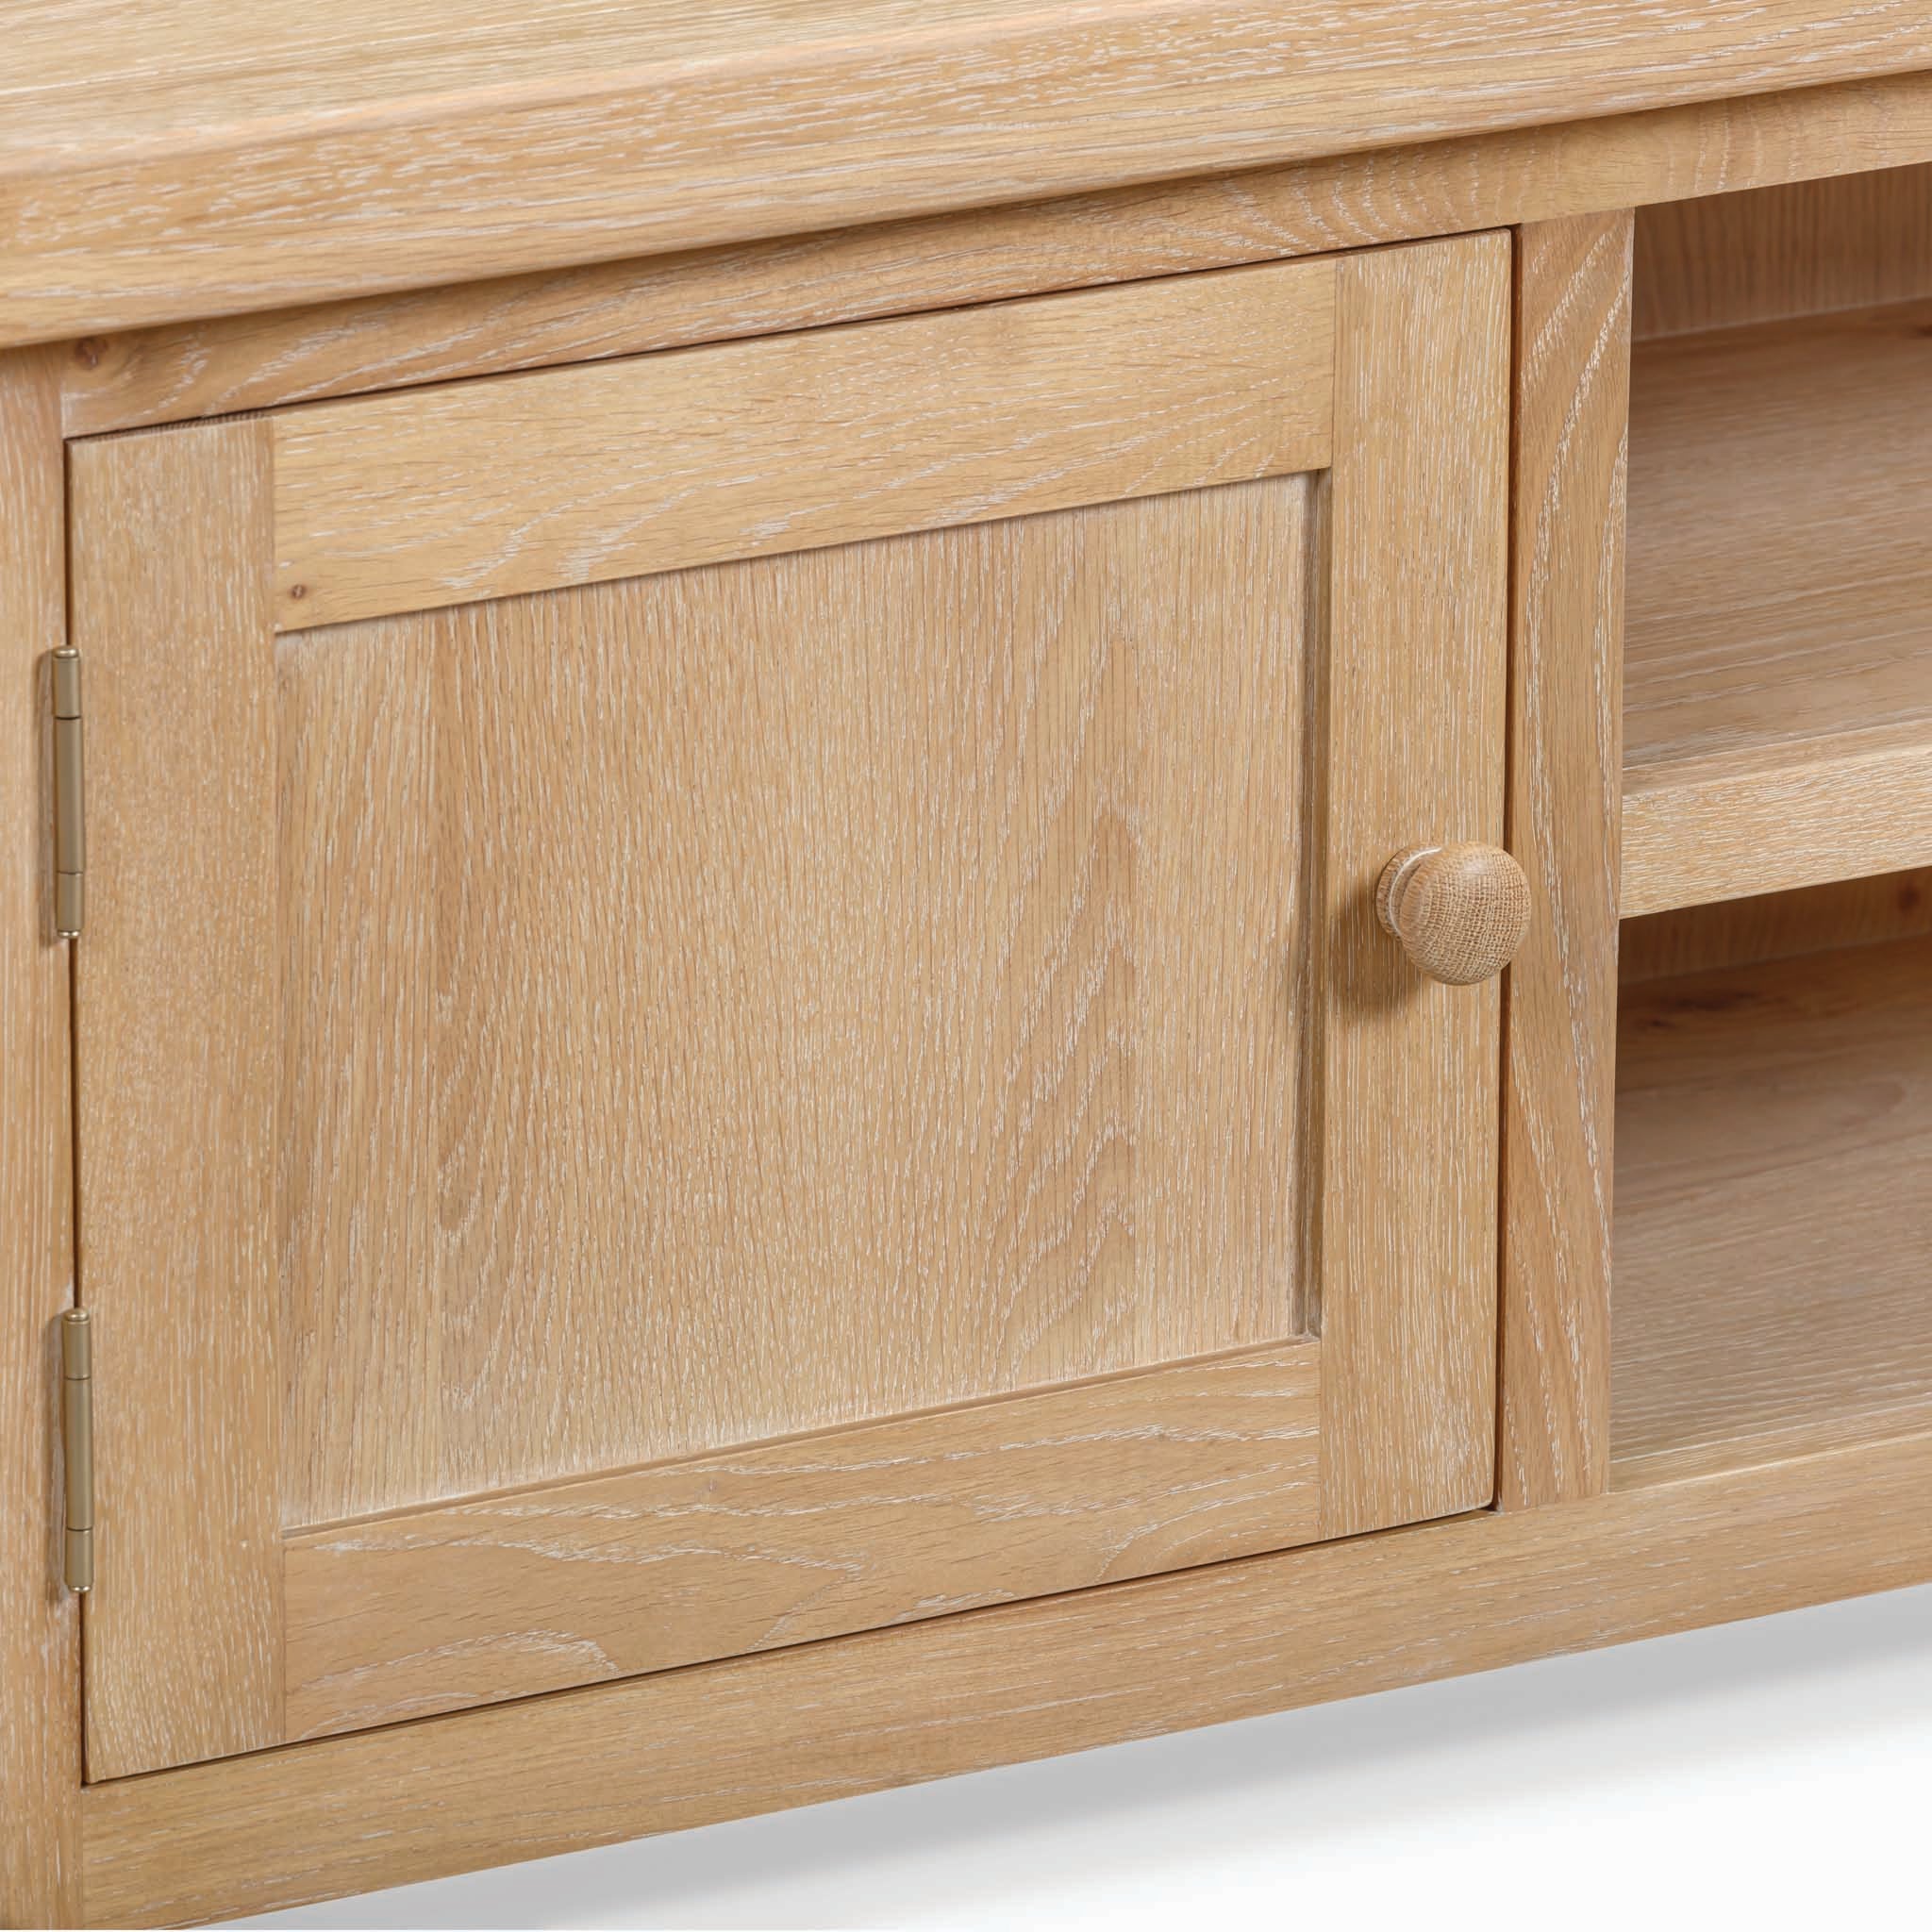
point(40, 1622)
point(733, 1112)
point(1774, 1124)
point(508, 140)
point(956, 1695)
point(778, 977)
point(1535, 176)
point(1778, 710)
point(1568, 461)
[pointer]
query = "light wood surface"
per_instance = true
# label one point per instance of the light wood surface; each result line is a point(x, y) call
point(388, 787)
point(1573, 361)
point(40, 1624)
point(1719, 828)
point(1459, 910)
point(436, 1609)
point(1779, 707)
point(357, 1159)
point(176, 1130)
point(1780, 491)
point(1773, 1226)
point(1776, 925)
point(227, 365)
point(197, 159)
point(1413, 697)
point(523, 483)
point(1002, 1685)
point(786, 993)
point(1717, 261)
point(1818, 1435)
point(917, 894)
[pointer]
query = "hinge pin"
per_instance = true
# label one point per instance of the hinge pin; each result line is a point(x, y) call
point(77, 1443)
point(70, 800)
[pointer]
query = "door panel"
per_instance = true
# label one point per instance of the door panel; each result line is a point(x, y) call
point(774, 950)
point(844, 1072)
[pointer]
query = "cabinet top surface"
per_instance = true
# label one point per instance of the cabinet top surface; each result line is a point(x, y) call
point(197, 156)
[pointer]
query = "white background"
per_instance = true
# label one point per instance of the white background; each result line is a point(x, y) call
point(1765, 1774)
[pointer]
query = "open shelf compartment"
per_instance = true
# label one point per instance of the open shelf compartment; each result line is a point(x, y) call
point(1778, 629)
point(1773, 1187)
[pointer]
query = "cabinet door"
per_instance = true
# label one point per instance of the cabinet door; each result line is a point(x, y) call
point(733, 996)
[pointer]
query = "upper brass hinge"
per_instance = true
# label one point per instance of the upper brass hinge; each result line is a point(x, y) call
point(69, 798)
point(77, 1446)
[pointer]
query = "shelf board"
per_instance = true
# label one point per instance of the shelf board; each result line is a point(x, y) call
point(1778, 625)
point(1773, 1220)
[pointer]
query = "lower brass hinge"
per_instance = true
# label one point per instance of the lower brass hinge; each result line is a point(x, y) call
point(69, 798)
point(77, 1446)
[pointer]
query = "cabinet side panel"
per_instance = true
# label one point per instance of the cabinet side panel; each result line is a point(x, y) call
point(40, 1651)
point(1572, 391)
point(175, 1096)
point(1415, 704)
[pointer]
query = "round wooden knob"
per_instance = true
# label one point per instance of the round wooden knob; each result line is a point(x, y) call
point(1460, 912)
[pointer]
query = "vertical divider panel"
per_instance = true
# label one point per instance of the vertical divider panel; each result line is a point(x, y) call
point(171, 535)
point(1572, 412)
point(1415, 702)
point(40, 1648)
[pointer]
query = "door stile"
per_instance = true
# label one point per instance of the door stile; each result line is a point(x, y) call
point(1414, 700)
point(172, 539)
point(40, 1647)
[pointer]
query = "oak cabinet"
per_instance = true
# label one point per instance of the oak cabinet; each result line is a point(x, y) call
point(877, 941)
point(734, 995)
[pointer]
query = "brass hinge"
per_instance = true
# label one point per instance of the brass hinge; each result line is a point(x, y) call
point(77, 1446)
point(69, 798)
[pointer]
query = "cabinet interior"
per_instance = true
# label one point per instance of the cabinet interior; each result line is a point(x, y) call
point(1773, 1231)
point(1778, 634)
point(1773, 1228)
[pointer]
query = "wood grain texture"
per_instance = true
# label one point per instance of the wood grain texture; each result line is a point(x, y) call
point(1820, 1435)
point(782, 994)
point(530, 482)
point(1460, 912)
point(1774, 1131)
point(1722, 828)
point(1776, 925)
point(177, 1015)
point(1780, 483)
point(1002, 1685)
point(228, 363)
point(236, 76)
point(1414, 732)
point(356, 1198)
point(1569, 458)
point(40, 1624)
point(1803, 248)
point(277, 157)
point(826, 962)
point(1779, 707)
point(406, 1615)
